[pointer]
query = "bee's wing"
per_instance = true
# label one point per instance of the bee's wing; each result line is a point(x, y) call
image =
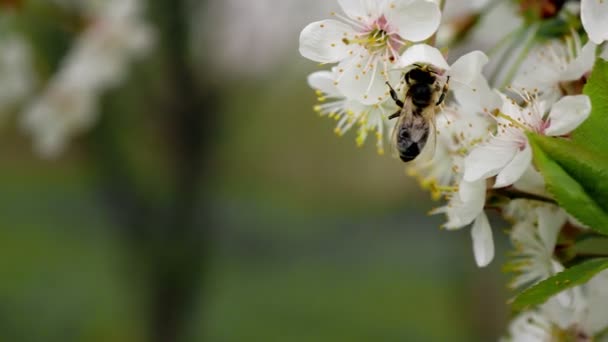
point(406, 113)
point(428, 153)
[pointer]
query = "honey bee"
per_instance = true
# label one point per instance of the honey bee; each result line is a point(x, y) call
point(416, 118)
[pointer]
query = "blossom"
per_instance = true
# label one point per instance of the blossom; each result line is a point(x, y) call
point(581, 319)
point(594, 15)
point(507, 155)
point(534, 235)
point(531, 326)
point(348, 113)
point(367, 41)
point(97, 62)
point(556, 68)
point(466, 206)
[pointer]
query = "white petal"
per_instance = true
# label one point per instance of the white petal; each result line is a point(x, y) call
point(470, 87)
point(594, 15)
point(366, 86)
point(472, 191)
point(550, 222)
point(322, 42)
point(582, 64)
point(466, 205)
point(487, 160)
point(532, 182)
point(324, 81)
point(483, 242)
point(515, 169)
point(468, 67)
point(358, 9)
point(416, 20)
point(423, 53)
point(567, 114)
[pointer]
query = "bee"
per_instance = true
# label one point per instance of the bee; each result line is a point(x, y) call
point(416, 118)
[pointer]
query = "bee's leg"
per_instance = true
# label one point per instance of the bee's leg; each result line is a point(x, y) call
point(394, 96)
point(395, 115)
point(446, 87)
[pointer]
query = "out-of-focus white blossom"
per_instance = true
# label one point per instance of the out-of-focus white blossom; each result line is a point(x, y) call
point(552, 67)
point(17, 76)
point(534, 235)
point(580, 319)
point(97, 62)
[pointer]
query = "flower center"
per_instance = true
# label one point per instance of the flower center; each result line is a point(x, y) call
point(378, 38)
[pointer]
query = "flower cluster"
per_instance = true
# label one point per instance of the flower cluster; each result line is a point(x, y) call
point(481, 158)
point(68, 104)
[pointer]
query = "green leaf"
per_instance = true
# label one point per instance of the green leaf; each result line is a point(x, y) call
point(588, 168)
point(568, 192)
point(592, 132)
point(549, 287)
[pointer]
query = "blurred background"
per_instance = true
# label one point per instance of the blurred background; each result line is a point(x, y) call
point(204, 200)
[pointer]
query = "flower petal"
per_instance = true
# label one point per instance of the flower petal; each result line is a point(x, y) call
point(472, 191)
point(594, 15)
point(550, 222)
point(470, 87)
point(423, 53)
point(416, 20)
point(567, 114)
point(515, 169)
point(532, 182)
point(321, 41)
point(487, 160)
point(483, 242)
point(359, 9)
point(324, 81)
point(582, 64)
point(366, 85)
point(468, 67)
point(466, 205)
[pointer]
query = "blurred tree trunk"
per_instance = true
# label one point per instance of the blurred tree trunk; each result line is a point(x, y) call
point(170, 240)
point(190, 114)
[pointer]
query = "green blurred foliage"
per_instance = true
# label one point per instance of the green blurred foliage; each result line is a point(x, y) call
point(315, 240)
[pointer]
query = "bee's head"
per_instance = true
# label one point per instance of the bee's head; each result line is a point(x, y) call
point(420, 74)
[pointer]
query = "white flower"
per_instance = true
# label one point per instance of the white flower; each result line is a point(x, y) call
point(97, 62)
point(367, 41)
point(508, 154)
point(466, 207)
point(531, 326)
point(348, 113)
point(594, 15)
point(580, 318)
point(553, 68)
point(534, 236)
